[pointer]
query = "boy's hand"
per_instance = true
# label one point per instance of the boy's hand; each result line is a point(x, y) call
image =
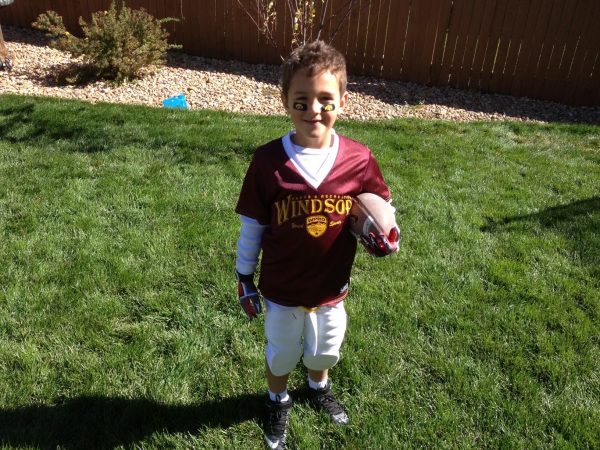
point(380, 244)
point(248, 294)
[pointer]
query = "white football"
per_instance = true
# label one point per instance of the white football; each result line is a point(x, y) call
point(371, 213)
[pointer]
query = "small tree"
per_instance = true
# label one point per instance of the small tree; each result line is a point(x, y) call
point(310, 18)
point(5, 57)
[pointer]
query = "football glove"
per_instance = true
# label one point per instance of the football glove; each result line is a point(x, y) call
point(380, 244)
point(248, 294)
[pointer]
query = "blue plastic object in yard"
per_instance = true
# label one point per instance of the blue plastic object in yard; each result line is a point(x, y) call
point(177, 102)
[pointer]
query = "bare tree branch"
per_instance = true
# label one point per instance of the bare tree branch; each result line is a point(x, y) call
point(308, 19)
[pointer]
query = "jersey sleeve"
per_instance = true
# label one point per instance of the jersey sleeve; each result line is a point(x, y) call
point(252, 201)
point(373, 181)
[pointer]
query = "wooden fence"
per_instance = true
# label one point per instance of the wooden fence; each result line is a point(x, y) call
point(548, 49)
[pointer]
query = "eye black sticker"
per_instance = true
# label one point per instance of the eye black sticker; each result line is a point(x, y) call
point(303, 107)
point(300, 106)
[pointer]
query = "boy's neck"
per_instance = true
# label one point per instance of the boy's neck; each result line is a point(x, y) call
point(307, 143)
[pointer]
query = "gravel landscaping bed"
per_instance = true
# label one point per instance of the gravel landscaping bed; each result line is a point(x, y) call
point(240, 87)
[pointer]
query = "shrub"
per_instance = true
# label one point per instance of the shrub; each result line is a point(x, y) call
point(116, 45)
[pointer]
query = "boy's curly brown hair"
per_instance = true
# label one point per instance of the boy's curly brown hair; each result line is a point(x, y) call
point(317, 57)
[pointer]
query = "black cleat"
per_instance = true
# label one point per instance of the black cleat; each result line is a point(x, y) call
point(275, 426)
point(325, 400)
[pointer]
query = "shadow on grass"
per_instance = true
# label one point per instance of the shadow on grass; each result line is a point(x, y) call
point(76, 126)
point(104, 423)
point(579, 221)
point(28, 122)
point(550, 216)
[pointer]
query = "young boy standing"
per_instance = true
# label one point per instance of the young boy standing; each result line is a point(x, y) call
point(294, 206)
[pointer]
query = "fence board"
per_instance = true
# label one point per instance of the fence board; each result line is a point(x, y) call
point(183, 32)
point(555, 61)
point(413, 34)
point(283, 35)
point(353, 38)
point(232, 45)
point(505, 37)
point(460, 69)
point(519, 16)
point(541, 48)
point(557, 17)
point(439, 28)
point(585, 89)
point(594, 84)
point(493, 45)
point(468, 42)
point(457, 13)
point(394, 52)
point(179, 31)
point(217, 39)
point(583, 17)
point(338, 33)
point(241, 49)
point(535, 46)
point(360, 30)
point(376, 37)
point(423, 38)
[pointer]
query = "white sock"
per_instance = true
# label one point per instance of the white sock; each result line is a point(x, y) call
point(317, 384)
point(282, 397)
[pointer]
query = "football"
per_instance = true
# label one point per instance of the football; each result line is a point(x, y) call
point(372, 214)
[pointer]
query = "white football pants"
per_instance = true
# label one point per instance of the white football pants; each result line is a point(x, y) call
point(295, 331)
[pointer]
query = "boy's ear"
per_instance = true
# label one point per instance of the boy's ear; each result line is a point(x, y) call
point(344, 99)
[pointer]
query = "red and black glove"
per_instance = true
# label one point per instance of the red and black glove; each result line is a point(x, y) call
point(248, 294)
point(380, 244)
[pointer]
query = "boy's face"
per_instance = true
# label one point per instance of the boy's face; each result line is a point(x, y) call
point(313, 104)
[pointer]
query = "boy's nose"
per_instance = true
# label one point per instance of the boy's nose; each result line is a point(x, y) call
point(314, 106)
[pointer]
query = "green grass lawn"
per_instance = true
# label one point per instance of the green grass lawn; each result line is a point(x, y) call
point(120, 326)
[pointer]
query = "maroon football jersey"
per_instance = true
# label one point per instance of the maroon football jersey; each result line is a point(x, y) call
point(307, 250)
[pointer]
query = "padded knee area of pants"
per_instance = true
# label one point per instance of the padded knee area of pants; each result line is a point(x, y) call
point(283, 330)
point(324, 333)
point(282, 362)
point(321, 362)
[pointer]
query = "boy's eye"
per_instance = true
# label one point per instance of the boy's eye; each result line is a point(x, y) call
point(300, 106)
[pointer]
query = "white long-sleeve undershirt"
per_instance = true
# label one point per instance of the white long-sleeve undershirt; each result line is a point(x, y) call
point(248, 245)
point(313, 164)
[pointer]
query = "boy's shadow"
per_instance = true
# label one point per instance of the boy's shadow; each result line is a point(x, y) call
point(107, 422)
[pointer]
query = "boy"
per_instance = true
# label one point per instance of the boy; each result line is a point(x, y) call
point(294, 206)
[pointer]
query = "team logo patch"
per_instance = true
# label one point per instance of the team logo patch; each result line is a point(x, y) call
point(316, 225)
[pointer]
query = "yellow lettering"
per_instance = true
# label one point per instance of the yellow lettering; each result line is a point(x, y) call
point(348, 206)
point(316, 206)
point(303, 207)
point(283, 210)
point(340, 206)
point(329, 206)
